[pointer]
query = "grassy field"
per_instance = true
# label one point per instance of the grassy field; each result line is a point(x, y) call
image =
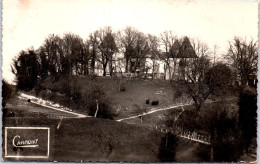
point(131, 101)
point(92, 139)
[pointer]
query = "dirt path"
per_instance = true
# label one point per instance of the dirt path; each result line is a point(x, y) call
point(47, 104)
point(166, 108)
point(154, 110)
point(22, 108)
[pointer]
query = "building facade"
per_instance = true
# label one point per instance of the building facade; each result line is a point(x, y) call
point(170, 65)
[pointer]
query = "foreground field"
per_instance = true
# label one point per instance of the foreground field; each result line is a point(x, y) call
point(93, 139)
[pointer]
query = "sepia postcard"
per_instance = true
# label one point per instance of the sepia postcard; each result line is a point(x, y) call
point(129, 81)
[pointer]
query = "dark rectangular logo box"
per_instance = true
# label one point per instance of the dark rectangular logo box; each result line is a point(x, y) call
point(27, 142)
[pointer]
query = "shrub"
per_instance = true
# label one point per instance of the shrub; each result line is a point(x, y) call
point(96, 99)
point(225, 135)
point(171, 117)
point(178, 93)
point(188, 119)
point(122, 88)
point(167, 148)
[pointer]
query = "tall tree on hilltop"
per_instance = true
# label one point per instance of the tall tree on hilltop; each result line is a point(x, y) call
point(141, 50)
point(171, 47)
point(107, 47)
point(194, 69)
point(93, 43)
point(72, 46)
point(51, 51)
point(153, 42)
point(43, 63)
point(128, 37)
point(82, 56)
point(243, 57)
point(25, 67)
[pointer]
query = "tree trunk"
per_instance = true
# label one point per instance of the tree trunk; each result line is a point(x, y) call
point(197, 103)
point(70, 68)
point(126, 65)
point(96, 109)
point(243, 83)
point(167, 66)
point(92, 65)
point(82, 69)
point(153, 70)
point(104, 69)
point(85, 69)
point(170, 72)
point(110, 68)
point(165, 71)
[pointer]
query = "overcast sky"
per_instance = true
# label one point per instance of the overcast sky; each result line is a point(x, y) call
point(26, 23)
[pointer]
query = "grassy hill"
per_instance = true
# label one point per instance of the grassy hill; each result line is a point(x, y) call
point(127, 102)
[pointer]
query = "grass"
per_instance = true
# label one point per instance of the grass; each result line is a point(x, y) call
point(128, 102)
point(96, 139)
point(93, 139)
point(187, 119)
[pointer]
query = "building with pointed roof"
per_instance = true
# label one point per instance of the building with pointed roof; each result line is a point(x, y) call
point(170, 65)
point(180, 54)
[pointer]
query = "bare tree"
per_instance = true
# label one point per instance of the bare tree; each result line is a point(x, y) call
point(194, 83)
point(243, 57)
point(26, 68)
point(107, 48)
point(134, 45)
point(171, 45)
point(141, 49)
point(51, 51)
point(154, 51)
point(43, 63)
point(82, 57)
point(73, 48)
point(93, 43)
point(128, 38)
